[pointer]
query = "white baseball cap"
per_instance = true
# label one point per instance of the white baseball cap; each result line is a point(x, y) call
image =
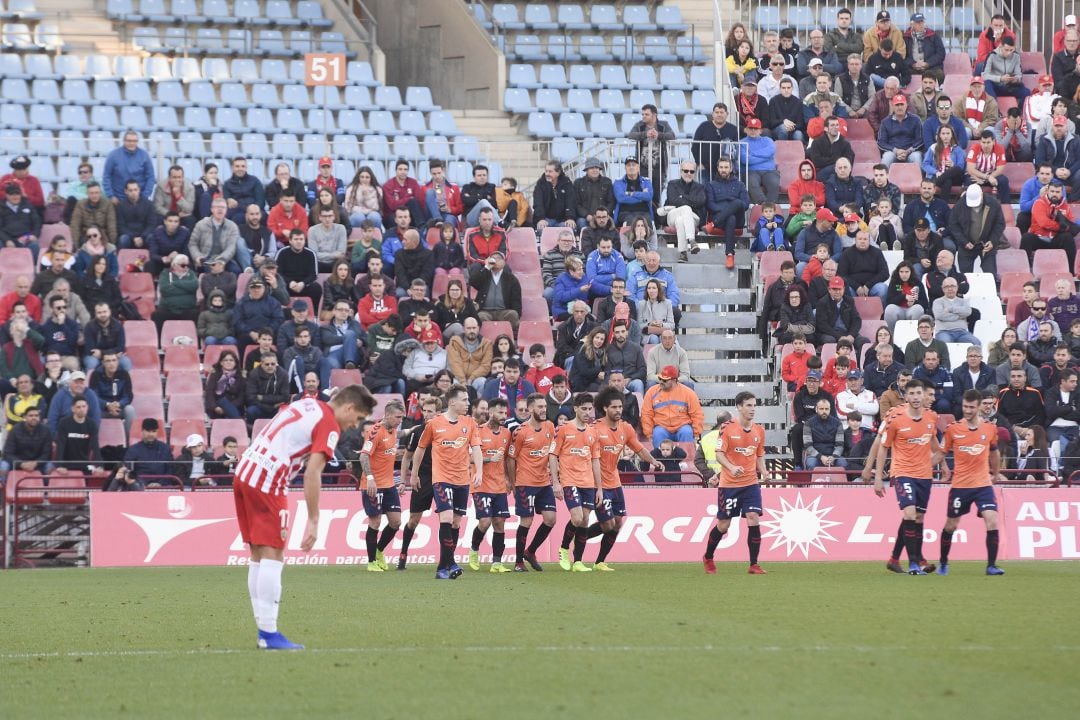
point(193, 440)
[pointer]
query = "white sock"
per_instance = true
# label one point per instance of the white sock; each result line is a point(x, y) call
point(269, 591)
point(253, 588)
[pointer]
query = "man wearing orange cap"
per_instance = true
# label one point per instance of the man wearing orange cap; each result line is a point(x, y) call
point(325, 179)
point(670, 410)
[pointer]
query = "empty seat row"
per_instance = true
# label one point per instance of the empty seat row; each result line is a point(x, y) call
point(601, 124)
point(572, 17)
point(248, 12)
point(20, 37)
point(236, 41)
point(613, 101)
point(129, 67)
point(613, 77)
point(595, 48)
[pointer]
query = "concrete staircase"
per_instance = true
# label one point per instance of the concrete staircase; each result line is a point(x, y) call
point(83, 26)
point(504, 140)
point(719, 333)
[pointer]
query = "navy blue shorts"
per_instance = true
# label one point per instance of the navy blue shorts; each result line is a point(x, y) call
point(961, 500)
point(451, 497)
point(531, 500)
point(737, 501)
point(912, 491)
point(579, 497)
point(614, 505)
point(386, 500)
point(491, 505)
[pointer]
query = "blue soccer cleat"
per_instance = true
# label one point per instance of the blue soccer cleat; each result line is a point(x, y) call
point(943, 569)
point(915, 569)
point(455, 571)
point(994, 570)
point(442, 574)
point(276, 641)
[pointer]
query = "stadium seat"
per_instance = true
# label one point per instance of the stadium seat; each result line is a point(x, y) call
point(185, 407)
point(340, 377)
point(636, 18)
point(212, 353)
point(604, 17)
point(1047, 261)
point(183, 382)
point(957, 63)
point(494, 328)
point(1012, 261)
point(145, 381)
point(111, 433)
point(593, 48)
point(869, 308)
point(181, 357)
point(767, 17)
point(571, 17)
point(222, 428)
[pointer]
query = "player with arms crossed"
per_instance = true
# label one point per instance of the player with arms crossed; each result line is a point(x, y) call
point(527, 469)
point(381, 496)
point(421, 498)
point(973, 442)
point(741, 454)
point(911, 435)
point(305, 430)
point(454, 443)
point(575, 465)
point(490, 501)
point(612, 435)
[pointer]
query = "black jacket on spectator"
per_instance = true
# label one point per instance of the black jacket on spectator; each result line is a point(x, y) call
point(1022, 407)
point(585, 373)
point(826, 437)
point(19, 221)
point(26, 445)
point(1041, 352)
point(568, 339)
point(471, 193)
point(446, 256)
point(511, 289)
point(878, 380)
point(418, 262)
point(273, 191)
point(862, 267)
point(554, 202)
point(788, 108)
point(826, 314)
point(118, 388)
point(680, 192)
point(933, 279)
point(300, 266)
point(856, 451)
point(137, 219)
point(1059, 409)
point(629, 358)
point(108, 338)
point(591, 194)
point(260, 240)
point(153, 458)
point(774, 300)
point(938, 209)
point(77, 443)
point(267, 390)
point(592, 235)
point(876, 64)
point(961, 379)
point(914, 253)
point(824, 153)
point(804, 404)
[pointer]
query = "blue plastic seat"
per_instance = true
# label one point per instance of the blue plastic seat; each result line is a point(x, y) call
point(614, 77)
point(658, 49)
point(264, 95)
point(290, 120)
point(279, 12)
point(171, 93)
point(625, 48)
point(161, 142)
point(638, 98)
point(408, 147)
point(189, 142)
point(360, 73)
point(46, 91)
point(573, 125)
point(549, 99)
point(467, 148)
point(157, 68)
point(272, 42)
point(702, 101)
point(209, 39)
point(16, 91)
point(137, 92)
point(963, 19)
point(197, 118)
point(215, 69)
point(239, 40)
point(560, 48)
point(186, 69)
point(674, 102)
point(99, 67)
point(377, 147)
point(247, 10)
point(702, 77)
point(593, 48)
point(382, 122)
point(252, 145)
point(301, 41)
point(528, 47)
point(901, 17)
point(334, 42)
point(604, 17)
point(255, 120)
point(602, 124)
point(311, 13)
point(644, 76)
point(176, 38)
point(669, 18)
point(801, 17)
point(327, 97)
point(419, 98)
point(413, 122)
point(39, 66)
point(357, 96)
point(68, 67)
point(202, 93)
point(442, 122)
point(101, 143)
point(522, 76)
point(296, 96)
point(863, 17)
point(542, 124)
point(38, 142)
point(283, 145)
point(613, 101)
point(637, 18)
point(133, 116)
point(571, 17)
point(564, 149)
point(436, 146)
point(505, 15)
point(580, 100)
point(105, 117)
point(673, 77)
point(121, 9)
point(554, 76)
point(583, 76)
point(186, 10)
point(689, 49)
point(935, 17)
point(315, 145)
point(146, 38)
point(538, 17)
point(72, 117)
point(77, 92)
point(245, 70)
point(67, 167)
point(388, 97)
point(14, 116)
point(344, 146)
point(107, 92)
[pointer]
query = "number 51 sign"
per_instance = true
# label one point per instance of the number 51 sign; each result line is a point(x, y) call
point(324, 69)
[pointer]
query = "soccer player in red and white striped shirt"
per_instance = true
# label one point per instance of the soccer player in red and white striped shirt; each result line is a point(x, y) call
point(308, 429)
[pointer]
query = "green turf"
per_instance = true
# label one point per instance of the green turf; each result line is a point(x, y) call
point(805, 641)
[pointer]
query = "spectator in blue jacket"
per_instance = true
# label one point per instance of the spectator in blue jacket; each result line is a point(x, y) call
point(129, 162)
point(930, 58)
point(822, 230)
point(943, 115)
point(763, 178)
point(603, 266)
point(60, 405)
point(944, 162)
point(61, 332)
point(842, 188)
point(255, 311)
point(114, 390)
point(572, 285)
point(929, 206)
point(1061, 150)
point(242, 190)
point(727, 202)
point(1030, 191)
point(633, 194)
point(900, 135)
point(150, 456)
point(931, 372)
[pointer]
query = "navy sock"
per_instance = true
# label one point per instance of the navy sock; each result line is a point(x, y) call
point(714, 539)
point(446, 545)
point(581, 536)
point(567, 535)
point(387, 536)
point(991, 547)
point(898, 546)
point(498, 546)
point(919, 540)
point(538, 539)
point(910, 542)
point(753, 541)
point(372, 538)
point(406, 538)
point(946, 545)
point(595, 530)
point(606, 544)
point(455, 533)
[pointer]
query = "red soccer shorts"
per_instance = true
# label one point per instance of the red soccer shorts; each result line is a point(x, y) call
point(263, 518)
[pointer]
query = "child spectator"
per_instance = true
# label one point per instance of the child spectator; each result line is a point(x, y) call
point(769, 231)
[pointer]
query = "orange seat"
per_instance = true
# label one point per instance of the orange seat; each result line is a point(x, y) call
point(140, 332)
point(143, 357)
point(184, 382)
point(181, 357)
point(173, 329)
point(221, 428)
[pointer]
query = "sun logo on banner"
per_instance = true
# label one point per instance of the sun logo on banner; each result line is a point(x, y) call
point(799, 526)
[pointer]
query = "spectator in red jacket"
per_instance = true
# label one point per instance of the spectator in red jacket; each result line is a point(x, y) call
point(31, 186)
point(376, 306)
point(541, 373)
point(807, 184)
point(402, 191)
point(442, 198)
point(989, 40)
point(286, 216)
point(21, 293)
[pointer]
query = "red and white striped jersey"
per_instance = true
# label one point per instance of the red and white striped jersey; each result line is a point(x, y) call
point(278, 452)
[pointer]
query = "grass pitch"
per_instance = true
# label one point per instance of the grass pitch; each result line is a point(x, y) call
point(805, 641)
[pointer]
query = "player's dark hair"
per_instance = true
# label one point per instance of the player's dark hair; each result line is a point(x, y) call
point(972, 396)
point(498, 402)
point(534, 397)
point(356, 395)
point(582, 398)
point(742, 397)
point(914, 384)
point(605, 397)
point(454, 392)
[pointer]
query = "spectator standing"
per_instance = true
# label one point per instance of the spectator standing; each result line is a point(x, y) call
point(127, 162)
point(977, 226)
point(591, 191)
point(652, 135)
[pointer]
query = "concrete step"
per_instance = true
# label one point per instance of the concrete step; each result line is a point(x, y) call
point(730, 368)
point(737, 321)
point(720, 343)
point(712, 276)
point(741, 298)
point(728, 391)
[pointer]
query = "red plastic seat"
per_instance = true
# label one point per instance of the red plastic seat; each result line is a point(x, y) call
point(221, 428)
point(145, 381)
point(1048, 281)
point(183, 427)
point(1013, 261)
point(1032, 62)
point(181, 357)
point(534, 311)
point(173, 329)
point(340, 377)
point(769, 263)
point(860, 129)
point(1048, 261)
point(532, 286)
point(24, 488)
point(1013, 235)
point(136, 285)
point(67, 488)
point(866, 151)
point(241, 284)
point(907, 176)
point(189, 407)
point(143, 357)
point(1012, 283)
point(524, 262)
point(869, 307)
point(17, 261)
point(494, 328)
point(258, 425)
point(212, 354)
point(111, 433)
point(183, 382)
point(149, 406)
point(520, 238)
point(549, 238)
point(141, 332)
point(870, 327)
point(535, 331)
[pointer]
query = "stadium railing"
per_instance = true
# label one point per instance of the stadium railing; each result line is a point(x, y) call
point(49, 513)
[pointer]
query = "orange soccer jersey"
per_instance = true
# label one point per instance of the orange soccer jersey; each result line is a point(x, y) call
point(530, 449)
point(576, 449)
point(493, 446)
point(609, 445)
point(451, 443)
point(741, 448)
point(911, 441)
point(380, 446)
point(971, 453)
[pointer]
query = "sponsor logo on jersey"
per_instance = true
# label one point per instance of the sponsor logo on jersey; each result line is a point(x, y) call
point(581, 452)
point(457, 443)
point(920, 440)
point(614, 449)
point(747, 450)
point(332, 440)
point(976, 449)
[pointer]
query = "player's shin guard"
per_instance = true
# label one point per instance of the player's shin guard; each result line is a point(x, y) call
point(253, 588)
point(910, 532)
point(606, 544)
point(498, 546)
point(477, 538)
point(581, 536)
point(387, 536)
point(568, 534)
point(946, 545)
point(898, 546)
point(991, 547)
point(269, 590)
point(919, 527)
point(714, 539)
point(753, 542)
point(522, 537)
point(595, 530)
point(541, 535)
point(372, 539)
point(446, 545)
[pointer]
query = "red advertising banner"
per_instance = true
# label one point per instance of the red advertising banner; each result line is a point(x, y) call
point(664, 525)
